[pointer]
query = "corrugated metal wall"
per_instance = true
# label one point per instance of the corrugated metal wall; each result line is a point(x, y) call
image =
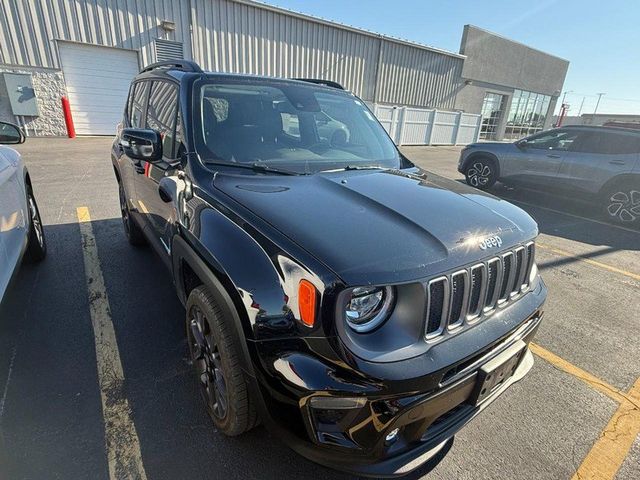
point(235, 36)
point(418, 77)
point(27, 28)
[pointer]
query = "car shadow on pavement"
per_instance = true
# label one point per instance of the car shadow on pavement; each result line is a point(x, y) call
point(570, 218)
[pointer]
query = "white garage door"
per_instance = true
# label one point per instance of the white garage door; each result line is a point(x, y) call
point(98, 80)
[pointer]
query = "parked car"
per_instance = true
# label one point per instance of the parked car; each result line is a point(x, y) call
point(327, 291)
point(600, 162)
point(21, 232)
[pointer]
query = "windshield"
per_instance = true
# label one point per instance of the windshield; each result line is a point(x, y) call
point(300, 128)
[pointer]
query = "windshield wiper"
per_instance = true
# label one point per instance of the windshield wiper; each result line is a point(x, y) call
point(356, 167)
point(256, 167)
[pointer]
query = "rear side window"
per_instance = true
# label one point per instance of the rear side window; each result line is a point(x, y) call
point(162, 114)
point(607, 143)
point(136, 104)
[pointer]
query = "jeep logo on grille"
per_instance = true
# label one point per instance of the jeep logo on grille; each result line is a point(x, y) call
point(491, 242)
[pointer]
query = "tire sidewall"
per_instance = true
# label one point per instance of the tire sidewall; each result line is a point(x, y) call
point(36, 251)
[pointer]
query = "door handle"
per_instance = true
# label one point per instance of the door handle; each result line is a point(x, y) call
point(617, 162)
point(553, 155)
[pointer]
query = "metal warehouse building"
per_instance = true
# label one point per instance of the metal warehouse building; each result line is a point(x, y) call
point(88, 51)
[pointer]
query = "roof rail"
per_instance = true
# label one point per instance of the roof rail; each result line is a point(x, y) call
point(184, 65)
point(318, 81)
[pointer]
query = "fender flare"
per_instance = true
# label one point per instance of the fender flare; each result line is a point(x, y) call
point(182, 252)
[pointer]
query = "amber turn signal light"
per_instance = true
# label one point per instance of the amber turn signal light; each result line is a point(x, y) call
point(307, 302)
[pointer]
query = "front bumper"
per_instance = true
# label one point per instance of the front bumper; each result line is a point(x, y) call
point(353, 438)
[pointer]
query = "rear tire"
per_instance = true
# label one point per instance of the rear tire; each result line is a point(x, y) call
point(215, 354)
point(621, 203)
point(132, 230)
point(481, 173)
point(37, 245)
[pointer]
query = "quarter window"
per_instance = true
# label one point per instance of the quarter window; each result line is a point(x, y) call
point(136, 109)
point(162, 114)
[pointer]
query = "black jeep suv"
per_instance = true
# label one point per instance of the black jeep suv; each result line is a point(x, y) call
point(362, 308)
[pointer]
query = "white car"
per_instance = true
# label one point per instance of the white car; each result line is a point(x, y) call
point(21, 232)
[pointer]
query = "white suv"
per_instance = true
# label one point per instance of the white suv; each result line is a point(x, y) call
point(21, 232)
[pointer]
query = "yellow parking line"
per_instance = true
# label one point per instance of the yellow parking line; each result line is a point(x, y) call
point(583, 375)
point(606, 456)
point(121, 439)
point(143, 207)
point(564, 253)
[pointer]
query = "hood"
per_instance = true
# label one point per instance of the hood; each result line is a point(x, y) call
point(376, 226)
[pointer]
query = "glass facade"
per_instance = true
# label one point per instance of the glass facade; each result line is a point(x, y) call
point(527, 114)
point(492, 108)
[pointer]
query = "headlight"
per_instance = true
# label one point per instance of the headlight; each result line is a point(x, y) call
point(368, 307)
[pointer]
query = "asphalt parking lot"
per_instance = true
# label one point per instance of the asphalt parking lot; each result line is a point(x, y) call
point(577, 414)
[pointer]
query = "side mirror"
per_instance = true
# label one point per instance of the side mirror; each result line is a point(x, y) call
point(522, 144)
point(141, 144)
point(167, 189)
point(11, 134)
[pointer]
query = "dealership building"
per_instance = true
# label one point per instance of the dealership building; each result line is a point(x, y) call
point(89, 50)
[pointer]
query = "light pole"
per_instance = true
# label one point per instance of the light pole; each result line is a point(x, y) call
point(581, 105)
point(597, 103)
point(565, 96)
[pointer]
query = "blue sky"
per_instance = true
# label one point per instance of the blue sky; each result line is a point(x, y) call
point(601, 39)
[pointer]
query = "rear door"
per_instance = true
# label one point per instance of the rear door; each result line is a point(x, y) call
point(538, 161)
point(161, 116)
point(135, 118)
point(597, 156)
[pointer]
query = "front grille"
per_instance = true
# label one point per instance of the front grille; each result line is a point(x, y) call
point(465, 295)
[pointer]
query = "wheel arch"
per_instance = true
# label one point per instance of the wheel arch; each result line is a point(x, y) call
point(625, 177)
point(191, 271)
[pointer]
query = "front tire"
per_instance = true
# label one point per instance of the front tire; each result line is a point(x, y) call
point(621, 204)
point(215, 355)
point(481, 173)
point(37, 245)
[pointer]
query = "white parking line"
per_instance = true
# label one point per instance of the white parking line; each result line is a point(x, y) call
point(121, 439)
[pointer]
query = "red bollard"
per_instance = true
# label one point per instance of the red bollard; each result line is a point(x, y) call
point(68, 119)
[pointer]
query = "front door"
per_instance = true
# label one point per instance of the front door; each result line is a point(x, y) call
point(161, 116)
point(537, 162)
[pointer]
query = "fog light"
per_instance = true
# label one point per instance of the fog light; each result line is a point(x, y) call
point(392, 436)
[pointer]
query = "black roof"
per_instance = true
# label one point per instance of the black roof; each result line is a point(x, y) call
point(187, 66)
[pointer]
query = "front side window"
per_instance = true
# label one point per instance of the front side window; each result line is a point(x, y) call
point(301, 128)
point(162, 114)
point(553, 140)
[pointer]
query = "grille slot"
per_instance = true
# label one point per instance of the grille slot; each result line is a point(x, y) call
point(495, 274)
point(478, 284)
point(459, 294)
point(464, 296)
point(438, 298)
point(507, 276)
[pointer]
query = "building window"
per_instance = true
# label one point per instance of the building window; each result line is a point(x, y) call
point(527, 114)
point(492, 107)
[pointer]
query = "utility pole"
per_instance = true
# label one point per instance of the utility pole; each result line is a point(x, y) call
point(597, 103)
point(581, 105)
point(565, 96)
